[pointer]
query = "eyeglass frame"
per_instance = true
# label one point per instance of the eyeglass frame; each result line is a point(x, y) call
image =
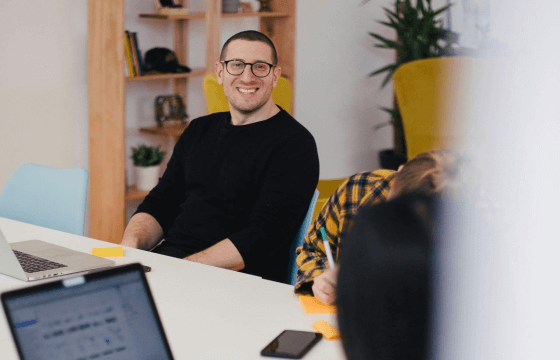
point(225, 62)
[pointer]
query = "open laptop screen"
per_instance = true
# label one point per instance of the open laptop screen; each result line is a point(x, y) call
point(105, 315)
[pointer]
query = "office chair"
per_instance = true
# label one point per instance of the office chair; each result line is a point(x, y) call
point(298, 241)
point(46, 196)
point(429, 94)
point(216, 100)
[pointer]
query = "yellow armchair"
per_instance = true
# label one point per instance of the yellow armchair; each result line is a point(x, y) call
point(326, 189)
point(216, 100)
point(429, 94)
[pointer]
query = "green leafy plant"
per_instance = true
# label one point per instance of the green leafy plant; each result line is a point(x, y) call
point(420, 35)
point(147, 156)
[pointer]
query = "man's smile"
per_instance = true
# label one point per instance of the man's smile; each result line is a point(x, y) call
point(247, 91)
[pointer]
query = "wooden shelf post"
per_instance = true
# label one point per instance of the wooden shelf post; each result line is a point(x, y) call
point(106, 119)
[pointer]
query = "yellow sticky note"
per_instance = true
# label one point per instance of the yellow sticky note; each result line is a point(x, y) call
point(326, 329)
point(116, 251)
point(313, 306)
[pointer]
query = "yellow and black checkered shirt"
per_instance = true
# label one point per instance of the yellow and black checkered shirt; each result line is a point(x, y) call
point(336, 216)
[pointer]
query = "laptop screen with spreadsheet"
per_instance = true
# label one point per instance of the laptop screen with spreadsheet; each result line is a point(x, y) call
point(105, 315)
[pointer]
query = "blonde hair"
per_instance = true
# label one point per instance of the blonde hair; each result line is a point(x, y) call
point(432, 172)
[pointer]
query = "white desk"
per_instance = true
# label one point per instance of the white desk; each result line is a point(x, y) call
point(207, 312)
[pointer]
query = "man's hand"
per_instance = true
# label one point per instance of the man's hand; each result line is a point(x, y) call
point(223, 254)
point(142, 232)
point(324, 287)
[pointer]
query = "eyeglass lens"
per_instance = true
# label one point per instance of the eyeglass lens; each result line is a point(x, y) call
point(259, 69)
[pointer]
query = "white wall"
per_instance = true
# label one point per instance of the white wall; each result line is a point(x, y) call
point(43, 84)
point(335, 98)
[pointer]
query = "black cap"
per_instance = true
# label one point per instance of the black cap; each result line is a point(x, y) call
point(164, 61)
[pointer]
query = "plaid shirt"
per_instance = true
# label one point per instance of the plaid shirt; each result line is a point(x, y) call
point(337, 214)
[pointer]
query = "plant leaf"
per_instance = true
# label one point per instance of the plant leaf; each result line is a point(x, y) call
point(383, 69)
point(439, 11)
point(394, 113)
point(387, 78)
point(390, 43)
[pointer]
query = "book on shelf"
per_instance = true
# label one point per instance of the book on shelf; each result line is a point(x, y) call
point(126, 71)
point(135, 48)
point(128, 55)
point(133, 54)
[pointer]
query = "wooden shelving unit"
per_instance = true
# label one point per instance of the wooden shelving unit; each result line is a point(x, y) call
point(203, 15)
point(193, 73)
point(132, 193)
point(174, 130)
point(107, 93)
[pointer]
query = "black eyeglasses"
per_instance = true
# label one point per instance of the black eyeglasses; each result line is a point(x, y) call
point(236, 67)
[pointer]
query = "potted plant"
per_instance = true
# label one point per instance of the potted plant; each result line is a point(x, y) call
point(420, 35)
point(147, 161)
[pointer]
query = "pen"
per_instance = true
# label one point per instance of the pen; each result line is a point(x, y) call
point(327, 247)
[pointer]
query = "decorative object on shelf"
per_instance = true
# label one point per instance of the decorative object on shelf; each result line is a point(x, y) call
point(162, 60)
point(170, 107)
point(265, 6)
point(420, 35)
point(245, 7)
point(173, 11)
point(147, 161)
point(168, 7)
point(230, 6)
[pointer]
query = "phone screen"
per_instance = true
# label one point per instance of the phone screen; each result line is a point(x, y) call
point(291, 344)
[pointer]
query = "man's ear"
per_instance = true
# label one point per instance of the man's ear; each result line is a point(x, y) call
point(219, 72)
point(276, 75)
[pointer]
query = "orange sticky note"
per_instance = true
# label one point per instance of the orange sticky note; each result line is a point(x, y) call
point(313, 306)
point(116, 251)
point(326, 329)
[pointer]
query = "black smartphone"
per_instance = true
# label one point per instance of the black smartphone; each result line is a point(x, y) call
point(291, 344)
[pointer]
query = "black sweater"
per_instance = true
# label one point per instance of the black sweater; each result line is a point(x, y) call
point(251, 184)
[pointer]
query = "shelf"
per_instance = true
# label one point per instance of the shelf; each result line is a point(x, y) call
point(193, 73)
point(192, 16)
point(132, 193)
point(174, 129)
point(203, 15)
point(255, 14)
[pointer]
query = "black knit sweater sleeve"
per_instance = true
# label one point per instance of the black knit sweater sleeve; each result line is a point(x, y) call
point(165, 199)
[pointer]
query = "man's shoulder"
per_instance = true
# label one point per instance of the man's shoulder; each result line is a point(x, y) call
point(203, 124)
point(209, 120)
point(292, 127)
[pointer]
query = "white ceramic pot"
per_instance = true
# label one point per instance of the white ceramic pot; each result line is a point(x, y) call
point(146, 177)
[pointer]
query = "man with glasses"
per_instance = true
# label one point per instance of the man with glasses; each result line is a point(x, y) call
point(238, 184)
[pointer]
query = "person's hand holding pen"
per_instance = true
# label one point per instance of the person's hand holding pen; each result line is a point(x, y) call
point(324, 285)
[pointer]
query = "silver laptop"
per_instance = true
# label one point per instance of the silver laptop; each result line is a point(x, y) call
point(104, 315)
point(36, 259)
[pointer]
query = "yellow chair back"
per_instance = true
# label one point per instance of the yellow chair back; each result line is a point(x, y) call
point(216, 100)
point(429, 94)
point(326, 189)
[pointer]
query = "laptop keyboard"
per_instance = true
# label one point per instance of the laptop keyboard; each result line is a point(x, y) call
point(32, 264)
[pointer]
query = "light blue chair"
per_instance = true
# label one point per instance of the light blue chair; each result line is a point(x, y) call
point(46, 196)
point(292, 269)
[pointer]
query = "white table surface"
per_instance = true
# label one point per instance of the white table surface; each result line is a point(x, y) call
point(207, 312)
